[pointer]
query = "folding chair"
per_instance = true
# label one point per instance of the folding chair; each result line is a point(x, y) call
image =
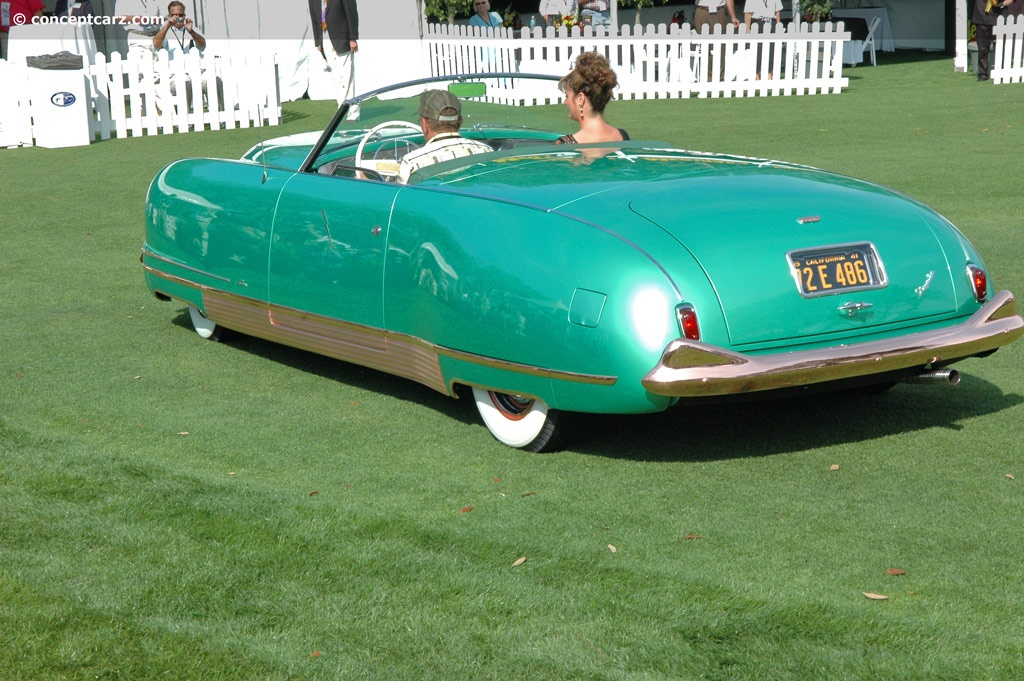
point(869, 42)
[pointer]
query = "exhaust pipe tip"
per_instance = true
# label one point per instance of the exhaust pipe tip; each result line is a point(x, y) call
point(943, 376)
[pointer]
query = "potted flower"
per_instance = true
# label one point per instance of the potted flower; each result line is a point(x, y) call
point(816, 10)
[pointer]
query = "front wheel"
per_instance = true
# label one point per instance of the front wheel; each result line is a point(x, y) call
point(517, 421)
point(205, 326)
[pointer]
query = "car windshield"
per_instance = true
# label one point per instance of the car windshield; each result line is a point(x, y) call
point(502, 111)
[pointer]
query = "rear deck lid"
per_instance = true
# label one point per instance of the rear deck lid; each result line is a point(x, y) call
point(795, 253)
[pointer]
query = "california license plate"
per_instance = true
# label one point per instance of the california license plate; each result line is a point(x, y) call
point(833, 269)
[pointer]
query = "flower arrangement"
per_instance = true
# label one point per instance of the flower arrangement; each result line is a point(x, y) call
point(510, 19)
point(568, 21)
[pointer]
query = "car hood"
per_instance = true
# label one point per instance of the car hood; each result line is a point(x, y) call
point(740, 219)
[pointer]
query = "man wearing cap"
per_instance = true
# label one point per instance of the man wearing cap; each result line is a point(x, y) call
point(440, 119)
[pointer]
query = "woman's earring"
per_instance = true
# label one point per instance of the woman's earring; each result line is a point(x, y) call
point(581, 110)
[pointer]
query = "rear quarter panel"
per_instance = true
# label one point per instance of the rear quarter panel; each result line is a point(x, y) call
point(518, 284)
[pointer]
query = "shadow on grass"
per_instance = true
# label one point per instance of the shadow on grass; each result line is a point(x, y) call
point(699, 432)
point(354, 375)
point(765, 427)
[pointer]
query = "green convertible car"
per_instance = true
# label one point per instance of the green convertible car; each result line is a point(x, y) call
point(543, 279)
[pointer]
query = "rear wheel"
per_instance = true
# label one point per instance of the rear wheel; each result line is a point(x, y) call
point(204, 326)
point(517, 421)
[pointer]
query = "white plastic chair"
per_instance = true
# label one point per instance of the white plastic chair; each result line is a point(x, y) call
point(869, 42)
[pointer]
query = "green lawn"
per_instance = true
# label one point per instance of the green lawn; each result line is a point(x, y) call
point(177, 509)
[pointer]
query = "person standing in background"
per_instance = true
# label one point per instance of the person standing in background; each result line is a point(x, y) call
point(178, 35)
point(596, 12)
point(483, 16)
point(984, 17)
point(766, 14)
point(17, 13)
point(712, 13)
point(336, 35)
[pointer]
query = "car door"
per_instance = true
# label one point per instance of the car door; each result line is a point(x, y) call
point(328, 245)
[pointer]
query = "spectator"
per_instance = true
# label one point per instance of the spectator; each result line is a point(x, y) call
point(712, 13)
point(596, 12)
point(551, 11)
point(765, 13)
point(178, 35)
point(336, 35)
point(984, 17)
point(440, 119)
point(17, 13)
point(483, 16)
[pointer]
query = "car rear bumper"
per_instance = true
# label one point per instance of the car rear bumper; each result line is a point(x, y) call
point(693, 369)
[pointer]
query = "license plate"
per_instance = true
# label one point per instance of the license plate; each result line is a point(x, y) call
point(833, 269)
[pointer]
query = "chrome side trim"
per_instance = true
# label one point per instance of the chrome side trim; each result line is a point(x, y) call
point(492, 363)
point(394, 353)
point(172, 278)
point(694, 369)
point(146, 253)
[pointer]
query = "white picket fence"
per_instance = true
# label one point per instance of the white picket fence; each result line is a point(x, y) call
point(159, 96)
point(146, 96)
point(1007, 65)
point(654, 62)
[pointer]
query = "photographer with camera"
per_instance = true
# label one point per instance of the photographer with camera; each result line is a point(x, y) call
point(178, 34)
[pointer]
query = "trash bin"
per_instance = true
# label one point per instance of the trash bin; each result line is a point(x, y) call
point(60, 108)
point(972, 54)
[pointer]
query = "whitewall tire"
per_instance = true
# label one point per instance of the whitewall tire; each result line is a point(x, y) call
point(517, 421)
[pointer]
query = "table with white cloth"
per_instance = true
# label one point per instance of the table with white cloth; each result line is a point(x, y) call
point(883, 34)
point(853, 49)
point(33, 40)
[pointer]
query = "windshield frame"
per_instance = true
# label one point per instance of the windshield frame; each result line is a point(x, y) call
point(342, 112)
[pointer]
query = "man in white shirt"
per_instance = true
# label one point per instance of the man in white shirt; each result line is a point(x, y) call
point(178, 35)
point(440, 118)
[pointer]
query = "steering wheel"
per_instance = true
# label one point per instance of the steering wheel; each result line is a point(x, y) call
point(386, 167)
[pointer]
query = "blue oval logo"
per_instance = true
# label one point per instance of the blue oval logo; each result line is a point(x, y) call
point(62, 99)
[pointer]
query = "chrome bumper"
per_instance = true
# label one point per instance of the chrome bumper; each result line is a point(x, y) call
point(693, 369)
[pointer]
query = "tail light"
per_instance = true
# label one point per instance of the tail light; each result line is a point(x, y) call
point(979, 282)
point(688, 322)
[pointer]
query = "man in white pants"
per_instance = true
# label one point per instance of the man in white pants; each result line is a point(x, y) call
point(336, 35)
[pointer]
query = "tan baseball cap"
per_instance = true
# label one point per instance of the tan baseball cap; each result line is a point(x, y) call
point(440, 105)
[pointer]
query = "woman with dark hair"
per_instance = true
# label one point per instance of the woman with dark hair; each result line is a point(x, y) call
point(588, 89)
